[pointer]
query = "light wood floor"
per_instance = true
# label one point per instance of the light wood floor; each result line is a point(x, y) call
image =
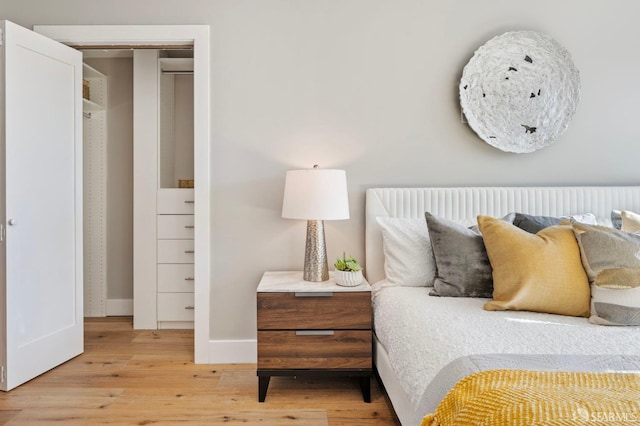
point(134, 377)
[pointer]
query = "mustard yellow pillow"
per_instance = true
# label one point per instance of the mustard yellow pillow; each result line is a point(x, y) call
point(539, 272)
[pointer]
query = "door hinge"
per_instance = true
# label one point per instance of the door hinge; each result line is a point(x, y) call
point(1, 36)
point(3, 374)
point(2, 232)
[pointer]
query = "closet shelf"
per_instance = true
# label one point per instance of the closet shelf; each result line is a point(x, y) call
point(89, 72)
point(88, 105)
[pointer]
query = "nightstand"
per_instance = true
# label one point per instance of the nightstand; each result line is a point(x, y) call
point(312, 329)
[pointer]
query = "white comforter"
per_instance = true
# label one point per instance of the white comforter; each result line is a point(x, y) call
point(422, 334)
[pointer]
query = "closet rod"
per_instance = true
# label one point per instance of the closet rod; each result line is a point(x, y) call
point(132, 46)
point(178, 72)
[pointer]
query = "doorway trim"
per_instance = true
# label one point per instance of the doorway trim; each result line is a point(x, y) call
point(166, 36)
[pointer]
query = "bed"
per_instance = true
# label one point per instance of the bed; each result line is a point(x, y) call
point(425, 345)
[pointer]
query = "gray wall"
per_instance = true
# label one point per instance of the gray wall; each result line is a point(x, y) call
point(370, 86)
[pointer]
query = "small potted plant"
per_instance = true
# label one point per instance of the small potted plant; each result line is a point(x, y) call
point(348, 271)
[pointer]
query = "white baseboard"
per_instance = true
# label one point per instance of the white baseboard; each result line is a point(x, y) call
point(119, 307)
point(233, 351)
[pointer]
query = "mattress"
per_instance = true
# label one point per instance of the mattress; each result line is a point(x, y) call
point(425, 335)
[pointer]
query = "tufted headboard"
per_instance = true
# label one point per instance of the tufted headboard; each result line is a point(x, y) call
point(464, 203)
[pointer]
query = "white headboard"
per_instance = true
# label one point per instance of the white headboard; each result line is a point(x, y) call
point(466, 203)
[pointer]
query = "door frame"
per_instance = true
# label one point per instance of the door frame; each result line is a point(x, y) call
point(167, 36)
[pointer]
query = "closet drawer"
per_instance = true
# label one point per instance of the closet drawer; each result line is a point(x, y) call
point(175, 251)
point(175, 201)
point(175, 307)
point(175, 226)
point(178, 278)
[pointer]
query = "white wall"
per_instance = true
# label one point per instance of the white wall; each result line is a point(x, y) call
point(370, 86)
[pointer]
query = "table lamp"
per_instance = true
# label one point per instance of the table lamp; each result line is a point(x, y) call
point(315, 195)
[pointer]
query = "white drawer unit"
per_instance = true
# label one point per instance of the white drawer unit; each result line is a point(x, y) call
point(177, 278)
point(175, 226)
point(175, 256)
point(164, 193)
point(175, 201)
point(175, 251)
point(175, 307)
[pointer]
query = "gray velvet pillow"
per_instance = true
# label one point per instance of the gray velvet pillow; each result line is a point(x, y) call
point(463, 268)
point(533, 224)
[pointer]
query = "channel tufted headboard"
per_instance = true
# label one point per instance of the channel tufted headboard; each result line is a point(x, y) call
point(464, 203)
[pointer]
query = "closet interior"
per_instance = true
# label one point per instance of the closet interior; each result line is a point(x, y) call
point(138, 185)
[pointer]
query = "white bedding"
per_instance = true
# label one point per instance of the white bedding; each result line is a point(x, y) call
point(418, 335)
point(422, 334)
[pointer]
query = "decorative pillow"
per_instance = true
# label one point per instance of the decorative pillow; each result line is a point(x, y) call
point(585, 218)
point(616, 219)
point(604, 221)
point(462, 265)
point(408, 257)
point(535, 272)
point(533, 224)
point(615, 297)
point(611, 259)
point(630, 221)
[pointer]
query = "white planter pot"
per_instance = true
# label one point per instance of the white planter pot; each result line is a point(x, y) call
point(348, 278)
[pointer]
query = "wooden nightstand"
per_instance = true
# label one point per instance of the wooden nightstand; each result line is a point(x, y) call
point(313, 329)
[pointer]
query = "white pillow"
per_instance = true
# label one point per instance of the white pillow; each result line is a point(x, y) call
point(604, 221)
point(630, 221)
point(408, 256)
point(585, 218)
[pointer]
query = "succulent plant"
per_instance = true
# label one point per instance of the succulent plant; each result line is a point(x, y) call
point(347, 264)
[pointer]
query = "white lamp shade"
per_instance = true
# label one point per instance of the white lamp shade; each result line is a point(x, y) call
point(316, 194)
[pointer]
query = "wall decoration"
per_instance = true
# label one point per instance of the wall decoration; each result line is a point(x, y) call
point(519, 91)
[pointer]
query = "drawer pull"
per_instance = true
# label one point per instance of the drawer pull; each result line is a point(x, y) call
point(189, 307)
point(189, 251)
point(314, 294)
point(189, 226)
point(188, 202)
point(314, 332)
point(189, 279)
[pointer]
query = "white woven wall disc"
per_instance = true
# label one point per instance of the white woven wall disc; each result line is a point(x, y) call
point(519, 91)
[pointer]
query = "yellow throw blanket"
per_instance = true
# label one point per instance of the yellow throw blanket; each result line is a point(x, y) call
point(520, 397)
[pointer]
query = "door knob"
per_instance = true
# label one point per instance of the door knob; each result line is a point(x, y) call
point(12, 222)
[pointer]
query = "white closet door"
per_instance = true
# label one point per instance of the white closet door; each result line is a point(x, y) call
point(43, 325)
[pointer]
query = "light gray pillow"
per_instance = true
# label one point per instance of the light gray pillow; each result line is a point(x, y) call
point(611, 259)
point(462, 265)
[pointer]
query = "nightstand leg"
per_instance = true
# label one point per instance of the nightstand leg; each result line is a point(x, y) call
point(263, 385)
point(365, 386)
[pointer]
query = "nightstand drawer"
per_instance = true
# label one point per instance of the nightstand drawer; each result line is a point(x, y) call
point(341, 310)
point(310, 349)
point(175, 226)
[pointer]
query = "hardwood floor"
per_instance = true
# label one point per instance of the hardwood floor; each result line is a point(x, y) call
point(140, 377)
